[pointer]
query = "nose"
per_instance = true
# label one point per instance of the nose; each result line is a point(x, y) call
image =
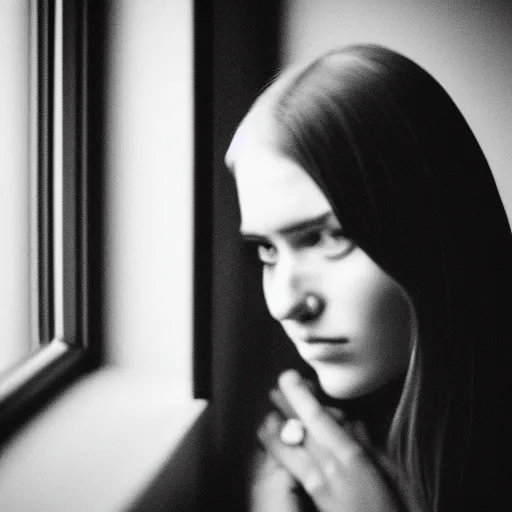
point(292, 292)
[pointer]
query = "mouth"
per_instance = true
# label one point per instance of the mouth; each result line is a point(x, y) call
point(328, 341)
point(324, 349)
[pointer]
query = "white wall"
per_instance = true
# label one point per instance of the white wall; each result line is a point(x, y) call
point(149, 188)
point(465, 44)
point(14, 173)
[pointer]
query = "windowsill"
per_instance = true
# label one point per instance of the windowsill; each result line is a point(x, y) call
point(98, 446)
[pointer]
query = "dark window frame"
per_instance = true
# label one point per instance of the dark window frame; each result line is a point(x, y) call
point(60, 357)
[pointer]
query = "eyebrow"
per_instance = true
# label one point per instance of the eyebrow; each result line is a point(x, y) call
point(312, 223)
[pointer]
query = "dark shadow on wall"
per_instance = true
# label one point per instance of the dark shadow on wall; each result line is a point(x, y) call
point(248, 349)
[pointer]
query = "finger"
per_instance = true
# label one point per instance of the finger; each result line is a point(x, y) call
point(318, 453)
point(278, 399)
point(318, 421)
point(266, 471)
point(282, 405)
point(295, 459)
point(272, 486)
point(323, 458)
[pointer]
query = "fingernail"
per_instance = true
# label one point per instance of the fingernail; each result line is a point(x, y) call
point(290, 377)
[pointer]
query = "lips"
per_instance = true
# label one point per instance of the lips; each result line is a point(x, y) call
point(334, 350)
point(329, 341)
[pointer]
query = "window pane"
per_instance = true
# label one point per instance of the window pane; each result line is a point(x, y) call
point(14, 189)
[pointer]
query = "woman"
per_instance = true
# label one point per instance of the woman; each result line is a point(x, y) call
point(386, 258)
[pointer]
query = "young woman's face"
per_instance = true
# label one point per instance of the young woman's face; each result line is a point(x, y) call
point(360, 336)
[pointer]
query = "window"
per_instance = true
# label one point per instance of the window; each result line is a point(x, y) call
point(135, 135)
point(58, 217)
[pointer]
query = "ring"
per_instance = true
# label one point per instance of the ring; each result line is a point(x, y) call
point(293, 432)
point(312, 304)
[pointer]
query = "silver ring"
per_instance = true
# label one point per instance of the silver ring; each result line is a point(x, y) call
point(293, 432)
point(313, 304)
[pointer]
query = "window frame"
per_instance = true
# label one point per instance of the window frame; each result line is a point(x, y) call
point(203, 198)
point(60, 356)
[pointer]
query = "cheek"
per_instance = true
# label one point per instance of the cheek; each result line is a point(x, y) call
point(272, 292)
point(373, 307)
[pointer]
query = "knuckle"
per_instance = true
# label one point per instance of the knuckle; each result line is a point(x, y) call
point(314, 484)
point(331, 469)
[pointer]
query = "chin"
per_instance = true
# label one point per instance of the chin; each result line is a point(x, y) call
point(345, 383)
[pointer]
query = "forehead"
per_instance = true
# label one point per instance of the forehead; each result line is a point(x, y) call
point(274, 191)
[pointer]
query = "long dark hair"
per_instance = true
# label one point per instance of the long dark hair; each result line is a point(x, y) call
point(410, 184)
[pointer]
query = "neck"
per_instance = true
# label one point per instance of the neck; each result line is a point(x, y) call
point(375, 410)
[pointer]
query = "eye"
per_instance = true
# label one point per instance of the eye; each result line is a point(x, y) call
point(267, 253)
point(260, 250)
point(311, 239)
point(334, 243)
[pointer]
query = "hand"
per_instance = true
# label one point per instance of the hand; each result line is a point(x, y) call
point(272, 487)
point(332, 467)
